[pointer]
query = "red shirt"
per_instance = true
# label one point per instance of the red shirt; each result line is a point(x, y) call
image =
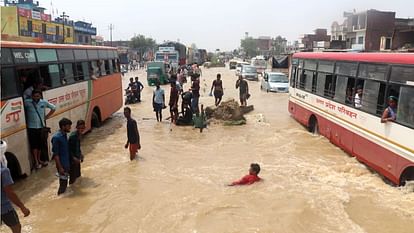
point(248, 179)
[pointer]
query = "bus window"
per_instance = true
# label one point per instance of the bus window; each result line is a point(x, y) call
point(66, 72)
point(8, 80)
point(370, 97)
point(107, 70)
point(371, 71)
point(46, 55)
point(111, 67)
point(405, 111)
point(400, 74)
point(310, 64)
point(93, 54)
point(342, 92)
point(302, 80)
point(50, 74)
point(93, 69)
point(23, 56)
point(114, 66)
point(309, 78)
point(326, 66)
point(330, 81)
point(82, 71)
point(80, 54)
point(293, 76)
point(65, 55)
point(101, 66)
point(6, 56)
point(346, 68)
point(320, 84)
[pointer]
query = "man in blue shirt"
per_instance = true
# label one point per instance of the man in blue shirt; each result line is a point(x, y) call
point(36, 120)
point(8, 214)
point(60, 150)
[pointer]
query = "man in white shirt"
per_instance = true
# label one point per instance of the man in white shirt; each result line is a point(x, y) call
point(358, 98)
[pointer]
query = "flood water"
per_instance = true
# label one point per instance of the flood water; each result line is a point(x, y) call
point(179, 182)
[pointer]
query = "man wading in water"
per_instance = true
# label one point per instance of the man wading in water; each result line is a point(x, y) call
point(218, 89)
point(244, 90)
point(132, 134)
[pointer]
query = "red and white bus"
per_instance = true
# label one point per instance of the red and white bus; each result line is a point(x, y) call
point(322, 97)
point(83, 82)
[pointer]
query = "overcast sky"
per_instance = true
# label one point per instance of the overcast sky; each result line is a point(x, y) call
point(213, 24)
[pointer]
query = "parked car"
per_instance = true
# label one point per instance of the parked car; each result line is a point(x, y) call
point(275, 82)
point(249, 72)
point(239, 66)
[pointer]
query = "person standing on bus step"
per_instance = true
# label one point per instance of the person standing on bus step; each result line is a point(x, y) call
point(358, 97)
point(244, 90)
point(60, 150)
point(139, 87)
point(390, 113)
point(75, 152)
point(218, 89)
point(158, 101)
point(8, 196)
point(36, 121)
point(133, 141)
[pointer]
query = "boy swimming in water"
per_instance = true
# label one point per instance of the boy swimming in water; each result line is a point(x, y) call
point(251, 178)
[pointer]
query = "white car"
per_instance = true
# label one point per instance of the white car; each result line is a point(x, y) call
point(275, 82)
point(239, 67)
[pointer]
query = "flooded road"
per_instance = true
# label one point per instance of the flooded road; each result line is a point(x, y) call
point(179, 183)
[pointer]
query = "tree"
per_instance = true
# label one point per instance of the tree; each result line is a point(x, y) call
point(279, 45)
point(249, 45)
point(142, 44)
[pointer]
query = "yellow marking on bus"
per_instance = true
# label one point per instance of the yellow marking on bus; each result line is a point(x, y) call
point(361, 128)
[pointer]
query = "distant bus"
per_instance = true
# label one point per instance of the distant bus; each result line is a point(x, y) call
point(66, 71)
point(322, 97)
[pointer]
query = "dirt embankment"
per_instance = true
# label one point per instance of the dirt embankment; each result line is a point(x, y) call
point(230, 112)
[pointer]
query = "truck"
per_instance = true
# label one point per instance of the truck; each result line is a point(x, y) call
point(260, 63)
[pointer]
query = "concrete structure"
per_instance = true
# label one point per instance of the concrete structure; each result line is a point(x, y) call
point(264, 45)
point(311, 41)
point(84, 32)
point(372, 30)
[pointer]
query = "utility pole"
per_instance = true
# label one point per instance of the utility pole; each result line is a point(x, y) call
point(63, 17)
point(111, 27)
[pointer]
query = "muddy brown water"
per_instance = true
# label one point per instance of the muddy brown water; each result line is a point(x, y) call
point(179, 182)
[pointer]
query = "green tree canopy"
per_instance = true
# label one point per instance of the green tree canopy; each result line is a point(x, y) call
point(142, 43)
point(249, 46)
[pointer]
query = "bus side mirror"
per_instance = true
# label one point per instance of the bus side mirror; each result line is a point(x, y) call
point(265, 78)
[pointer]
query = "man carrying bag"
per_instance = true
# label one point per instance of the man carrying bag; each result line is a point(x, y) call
point(36, 125)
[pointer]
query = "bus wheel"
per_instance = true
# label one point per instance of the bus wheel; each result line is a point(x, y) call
point(13, 165)
point(96, 118)
point(407, 175)
point(313, 125)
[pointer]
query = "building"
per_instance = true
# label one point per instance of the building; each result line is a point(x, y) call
point(309, 42)
point(84, 33)
point(24, 20)
point(372, 30)
point(264, 45)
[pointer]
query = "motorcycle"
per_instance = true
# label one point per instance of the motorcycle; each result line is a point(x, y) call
point(129, 97)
